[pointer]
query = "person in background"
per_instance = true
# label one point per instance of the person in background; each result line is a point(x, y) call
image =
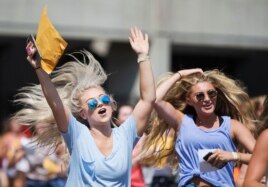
point(256, 174)
point(203, 108)
point(3, 176)
point(124, 111)
point(257, 103)
point(162, 172)
point(45, 163)
point(137, 179)
point(82, 113)
point(13, 163)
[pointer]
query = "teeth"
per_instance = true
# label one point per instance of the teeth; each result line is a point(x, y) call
point(101, 111)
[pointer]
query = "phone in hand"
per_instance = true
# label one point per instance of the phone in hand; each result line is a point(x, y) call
point(219, 165)
point(37, 56)
point(207, 156)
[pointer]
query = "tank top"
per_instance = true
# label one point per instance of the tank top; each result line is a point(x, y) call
point(191, 139)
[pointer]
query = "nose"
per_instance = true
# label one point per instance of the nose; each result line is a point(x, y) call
point(100, 104)
point(206, 98)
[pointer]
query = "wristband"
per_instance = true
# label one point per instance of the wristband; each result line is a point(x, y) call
point(37, 68)
point(235, 155)
point(142, 58)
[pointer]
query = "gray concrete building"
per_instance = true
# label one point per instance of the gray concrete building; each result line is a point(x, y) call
point(231, 35)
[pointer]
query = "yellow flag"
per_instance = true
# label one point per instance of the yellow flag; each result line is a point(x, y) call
point(49, 43)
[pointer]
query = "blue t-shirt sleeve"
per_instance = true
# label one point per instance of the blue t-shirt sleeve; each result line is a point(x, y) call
point(130, 130)
point(72, 133)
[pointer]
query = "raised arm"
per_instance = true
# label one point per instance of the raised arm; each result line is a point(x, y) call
point(60, 113)
point(165, 109)
point(143, 109)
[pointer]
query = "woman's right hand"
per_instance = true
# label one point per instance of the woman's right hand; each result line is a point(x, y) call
point(186, 72)
point(31, 50)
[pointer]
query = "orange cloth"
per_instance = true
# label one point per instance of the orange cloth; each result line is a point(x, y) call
point(49, 43)
point(236, 173)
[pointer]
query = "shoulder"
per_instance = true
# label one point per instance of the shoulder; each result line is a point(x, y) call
point(261, 146)
point(264, 136)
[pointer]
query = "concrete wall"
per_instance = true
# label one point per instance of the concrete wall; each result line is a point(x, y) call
point(240, 24)
point(230, 23)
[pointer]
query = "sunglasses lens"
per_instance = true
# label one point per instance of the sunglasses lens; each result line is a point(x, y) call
point(200, 96)
point(212, 93)
point(92, 104)
point(105, 99)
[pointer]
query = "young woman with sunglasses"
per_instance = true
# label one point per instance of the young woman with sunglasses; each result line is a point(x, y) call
point(99, 155)
point(203, 109)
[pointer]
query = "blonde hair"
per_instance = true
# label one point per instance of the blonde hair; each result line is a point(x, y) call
point(71, 80)
point(231, 95)
point(263, 124)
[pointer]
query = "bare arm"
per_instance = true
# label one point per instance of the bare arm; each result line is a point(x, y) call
point(143, 109)
point(259, 162)
point(165, 109)
point(61, 114)
point(244, 136)
point(241, 176)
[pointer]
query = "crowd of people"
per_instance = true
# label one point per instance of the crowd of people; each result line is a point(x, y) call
point(194, 128)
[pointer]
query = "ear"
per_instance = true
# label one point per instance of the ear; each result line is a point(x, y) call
point(188, 101)
point(83, 114)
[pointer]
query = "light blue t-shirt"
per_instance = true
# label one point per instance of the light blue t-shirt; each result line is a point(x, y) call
point(191, 139)
point(89, 167)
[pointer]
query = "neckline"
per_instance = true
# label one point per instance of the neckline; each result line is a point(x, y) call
point(221, 121)
point(99, 151)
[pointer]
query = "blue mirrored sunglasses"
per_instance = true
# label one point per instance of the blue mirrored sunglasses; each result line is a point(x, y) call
point(93, 103)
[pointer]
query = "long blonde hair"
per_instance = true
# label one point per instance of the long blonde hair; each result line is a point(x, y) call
point(70, 80)
point(263, 124)
point(231, 95)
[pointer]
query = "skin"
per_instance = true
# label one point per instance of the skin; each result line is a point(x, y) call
point(205, 112)
point(259, 162)
point(101, 123)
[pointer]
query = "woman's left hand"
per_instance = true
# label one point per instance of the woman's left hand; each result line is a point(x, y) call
point(220, 157)
point(138, 41)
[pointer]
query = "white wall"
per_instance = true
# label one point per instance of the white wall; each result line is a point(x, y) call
point(240, 23)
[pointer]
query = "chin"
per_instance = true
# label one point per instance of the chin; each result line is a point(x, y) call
point(209, 112)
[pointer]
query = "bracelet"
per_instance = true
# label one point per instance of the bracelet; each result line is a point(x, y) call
point(37, 68)
point(235, 155)
point(179, 74)
point(142, 58)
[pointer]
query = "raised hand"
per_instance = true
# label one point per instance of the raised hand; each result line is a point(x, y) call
point(31, 50)
point(138, 41)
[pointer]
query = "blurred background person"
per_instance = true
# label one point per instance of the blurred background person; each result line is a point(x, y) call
point(158, 167)
point(256, 174)
point(137, 179)
point(13, 162)
point(257, 104)
point(3, 176)
point(124, 111)
point(46, 167)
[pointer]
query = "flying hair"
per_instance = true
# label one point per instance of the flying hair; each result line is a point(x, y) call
point(70, 80)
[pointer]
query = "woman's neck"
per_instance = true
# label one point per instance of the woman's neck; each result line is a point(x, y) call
point(104, 132)
point(208, 121)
